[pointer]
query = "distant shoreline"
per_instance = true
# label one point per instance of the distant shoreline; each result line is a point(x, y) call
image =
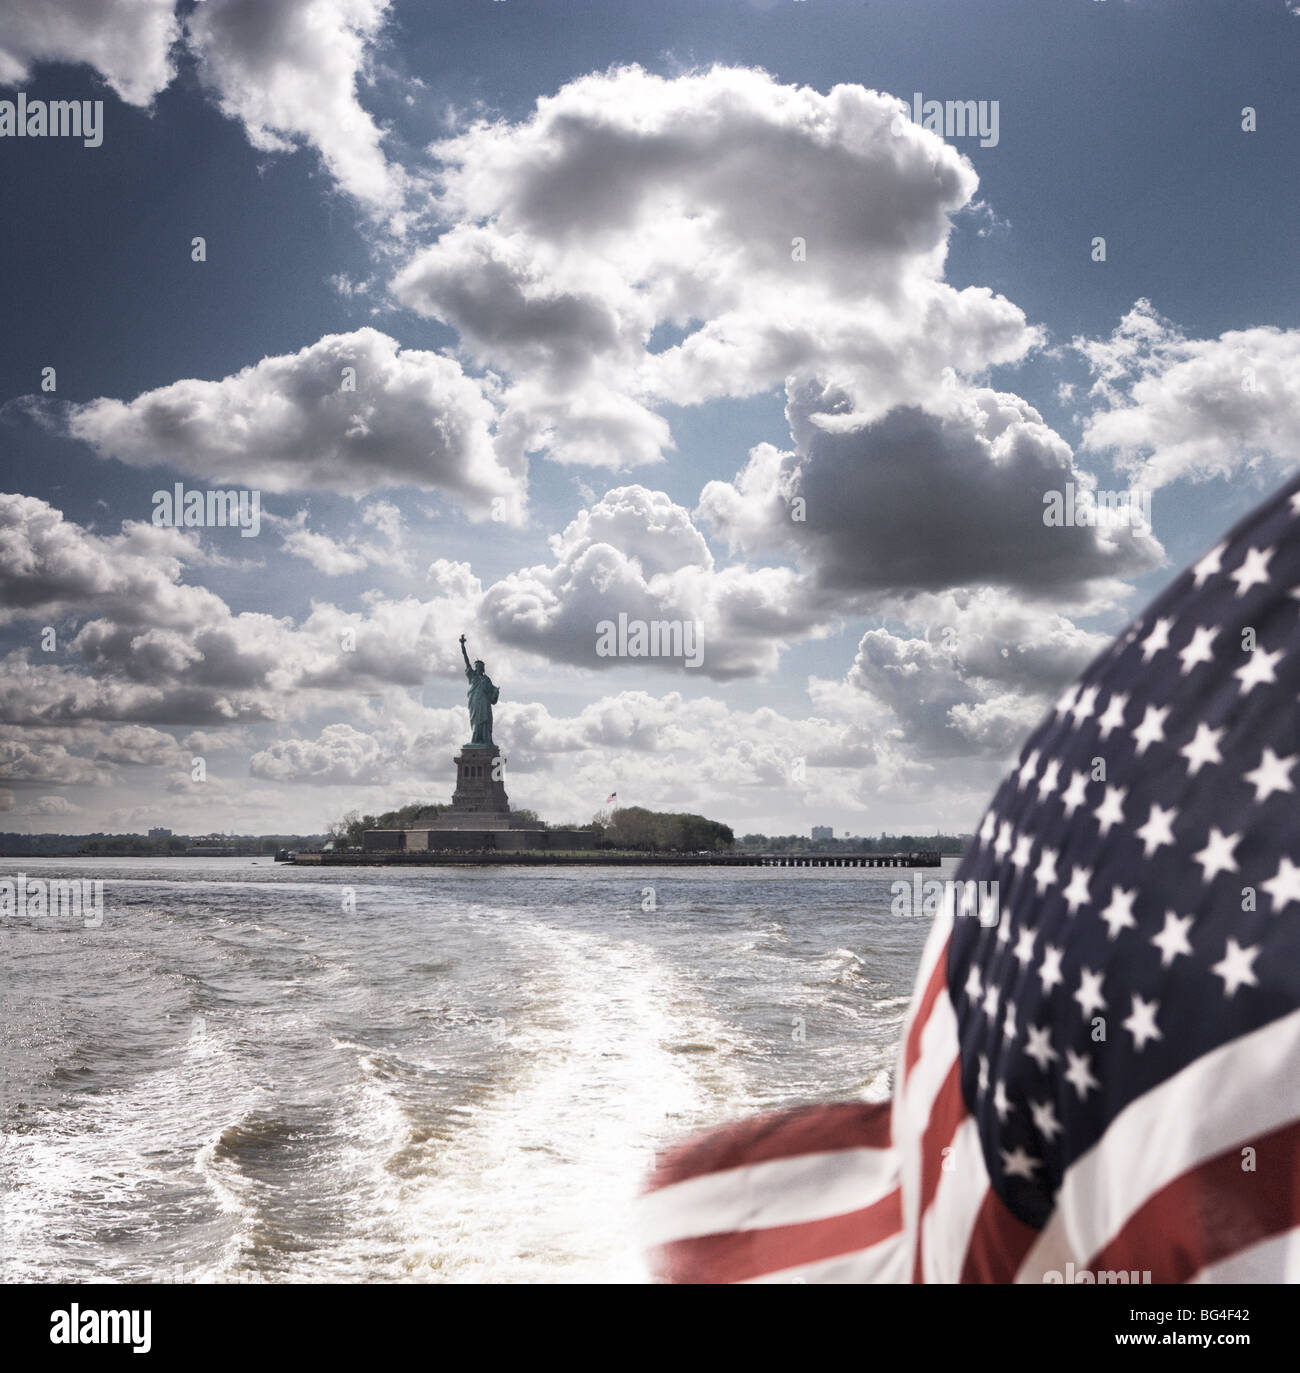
point(587, 858)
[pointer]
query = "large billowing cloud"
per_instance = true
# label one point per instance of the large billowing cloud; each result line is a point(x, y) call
point(288, 70)
point(81, 756)
point(977, 676)
point(943, 496)
point(1174, 407)
point(290, 423)
point(127, 41)
point(642, 240)
point(49, 764)
point(52, 567)
point(339, 754)
point(635, 553)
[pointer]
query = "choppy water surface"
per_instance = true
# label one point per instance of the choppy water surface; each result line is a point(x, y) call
point(268, 1074)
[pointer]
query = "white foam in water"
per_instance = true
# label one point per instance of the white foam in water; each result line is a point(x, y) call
point(541, 1185)
point(103, 1169)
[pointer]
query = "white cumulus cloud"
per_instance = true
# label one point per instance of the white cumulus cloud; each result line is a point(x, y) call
point(636, 553)
point(640, 240)
point(945, 495)
point(127, 41)
point(289, 71)
point(1174, 408)
point(291, 423)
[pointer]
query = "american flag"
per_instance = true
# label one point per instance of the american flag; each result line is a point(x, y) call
point(1102, 1081)
point(613, 796)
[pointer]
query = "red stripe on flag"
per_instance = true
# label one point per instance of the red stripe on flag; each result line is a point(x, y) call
point(946, 1116)
point(998, 1244)
point(776, 1135)
point(938, 981)
point(745, 1254)
point(1212, 1211)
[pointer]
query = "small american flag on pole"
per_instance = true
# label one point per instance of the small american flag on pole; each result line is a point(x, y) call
point(613, 796)
point(1101, 1083)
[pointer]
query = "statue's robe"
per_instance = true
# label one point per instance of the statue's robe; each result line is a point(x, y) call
point(482, 697)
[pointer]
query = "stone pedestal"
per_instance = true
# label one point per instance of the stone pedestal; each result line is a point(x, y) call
point(479, 801)
point(478, 792)
point(479, 817)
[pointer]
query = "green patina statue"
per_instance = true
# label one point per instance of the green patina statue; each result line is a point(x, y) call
point(482, 697)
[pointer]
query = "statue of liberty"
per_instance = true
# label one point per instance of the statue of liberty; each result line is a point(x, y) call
point(482, 697)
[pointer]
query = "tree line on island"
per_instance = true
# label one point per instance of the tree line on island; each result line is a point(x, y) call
point(629, 827)
point(642, 830)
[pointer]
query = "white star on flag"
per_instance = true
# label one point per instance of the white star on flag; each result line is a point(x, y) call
point(1079, 1074)
point(1152, 729)
point(1272, 774)
point(1284, 886)
point(1040, 1048)
point(1045, 1121)
point(1253, 570)
point(1118, 915)
point(1113, 719)
point(1209, 565)
point(1216, 856)
point(1048, 781)
point(1076, 894)
point(1029, 769)
point(1204, 748)
point(1197, 649)
point(1111, 810)
point(1172, 939)
point(1085, 705)
point(1259, 669)
point(1018, 1163)
point(1158, 830)
point(1075, 794)
point(1141, 1022)
point(1156, 640)
point(1234, 968)
point(1089, 994)
point(1045, 872)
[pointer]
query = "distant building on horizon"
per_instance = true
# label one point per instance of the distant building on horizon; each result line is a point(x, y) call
point(822, 832)
point(160, 833)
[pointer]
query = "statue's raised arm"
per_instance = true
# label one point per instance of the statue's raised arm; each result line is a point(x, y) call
point(483, 695)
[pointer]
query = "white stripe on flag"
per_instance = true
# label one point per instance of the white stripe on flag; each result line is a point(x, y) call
point(1274, 1260)
point(935, 951)
point(914, 1099)
point(888, 1261)
point(758, 1196)
point(947, 1226)
point(1215, 1102)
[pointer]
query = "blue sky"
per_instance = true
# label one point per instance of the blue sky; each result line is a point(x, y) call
point(596, 295)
